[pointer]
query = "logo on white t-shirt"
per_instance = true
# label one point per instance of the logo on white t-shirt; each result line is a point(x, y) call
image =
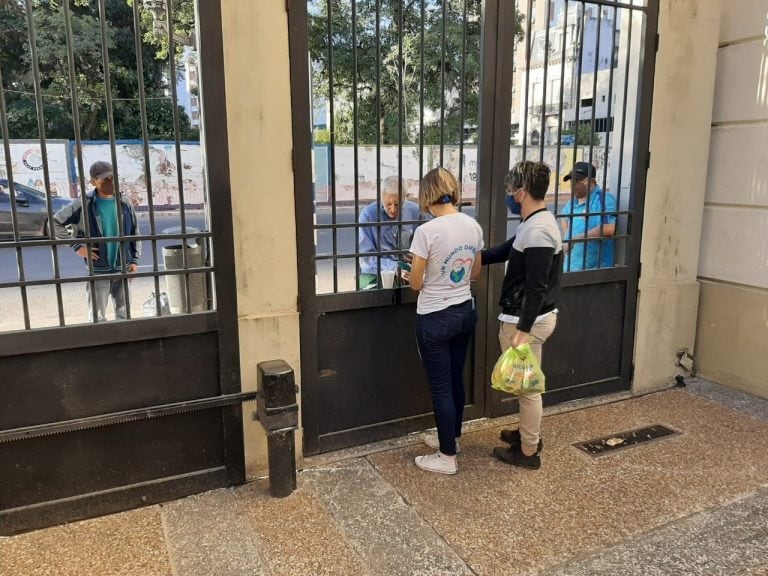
point(458, 265)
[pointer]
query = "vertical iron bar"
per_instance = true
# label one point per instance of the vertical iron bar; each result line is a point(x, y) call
point(355, 139)
point(561, 105)
point(113, 150)
point(596, 68)
point(528, 41)
point(400, 124)
point(332, 147)
point(44, 153)
point(579, 32)
point(442, 84)
point(379, 214)
point(145, 147)
point(12, 203)
point(608, 131)
point(624, 125)
point(177, 143)
point(421, 98)
point(461, 104)
point(79, 152)
point(547, 18)
point(216, 161)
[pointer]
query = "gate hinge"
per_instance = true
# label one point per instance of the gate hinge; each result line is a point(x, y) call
point(287, 5)
point(648, 161)
point(298, 303)
point(658, 39)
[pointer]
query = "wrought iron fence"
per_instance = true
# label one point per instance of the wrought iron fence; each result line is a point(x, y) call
point(104, 81)
point(396, 90)
point(395, 93)
point(590, 119)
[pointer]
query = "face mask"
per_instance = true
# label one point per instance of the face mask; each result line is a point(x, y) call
point(514, 207)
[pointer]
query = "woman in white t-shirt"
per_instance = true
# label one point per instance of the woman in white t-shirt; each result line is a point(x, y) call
point(444, 251)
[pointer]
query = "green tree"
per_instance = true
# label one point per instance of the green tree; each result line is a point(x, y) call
point(584, 135)
point(389, 49)
point(155, 25)
point(53, 67)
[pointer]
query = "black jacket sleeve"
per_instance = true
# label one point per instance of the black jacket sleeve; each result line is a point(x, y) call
point(538, 262)
point(498, 253)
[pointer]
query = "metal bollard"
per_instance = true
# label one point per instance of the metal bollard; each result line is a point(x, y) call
point(278, 413)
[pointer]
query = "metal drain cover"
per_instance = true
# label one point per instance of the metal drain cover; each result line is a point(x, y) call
point(622, 440)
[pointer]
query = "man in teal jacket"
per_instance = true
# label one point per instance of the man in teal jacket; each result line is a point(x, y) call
point(101, 212)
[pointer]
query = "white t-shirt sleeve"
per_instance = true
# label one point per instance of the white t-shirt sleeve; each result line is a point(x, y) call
point(420, 243)
point(541, 237)
point(480, 243)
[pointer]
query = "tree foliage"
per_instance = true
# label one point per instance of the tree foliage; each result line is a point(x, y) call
point(53, 66)
point(155, 33)
point(380, 69)
point(584, 135)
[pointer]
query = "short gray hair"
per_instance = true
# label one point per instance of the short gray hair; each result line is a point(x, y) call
point(391, 185)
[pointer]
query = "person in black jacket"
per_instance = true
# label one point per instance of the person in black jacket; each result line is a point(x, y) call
point(103, 216)
point(529, 295)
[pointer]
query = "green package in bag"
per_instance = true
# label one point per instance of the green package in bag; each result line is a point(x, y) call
point(517, 372)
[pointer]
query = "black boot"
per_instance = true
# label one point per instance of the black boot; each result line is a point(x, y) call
point(514, 455)
point(512, 437)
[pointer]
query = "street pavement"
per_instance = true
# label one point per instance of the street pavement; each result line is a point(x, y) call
point(42, 301)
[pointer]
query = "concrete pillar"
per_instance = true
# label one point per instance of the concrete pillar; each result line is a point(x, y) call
point(259, 122)
point(680, 131)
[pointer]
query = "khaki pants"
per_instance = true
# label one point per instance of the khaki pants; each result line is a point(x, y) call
point(530, 404)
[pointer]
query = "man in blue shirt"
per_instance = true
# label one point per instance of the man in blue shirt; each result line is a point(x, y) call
point(591, 214)
point(393, 237)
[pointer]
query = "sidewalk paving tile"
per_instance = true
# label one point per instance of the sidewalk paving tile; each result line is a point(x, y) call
point(126, 544)
point(208, 534)
point(505, 520)
point(720, 541)
point(297, 536)
point(385, 530)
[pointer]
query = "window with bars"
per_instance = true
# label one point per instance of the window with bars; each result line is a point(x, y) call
point(398, 87)
point(593, 208)
point(400, 83)
point(106, 171)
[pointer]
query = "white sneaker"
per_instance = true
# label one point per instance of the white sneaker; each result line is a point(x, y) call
point(437, 463)
point(431, 440)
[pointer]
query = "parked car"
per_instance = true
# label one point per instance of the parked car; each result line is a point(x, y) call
point(31, 211)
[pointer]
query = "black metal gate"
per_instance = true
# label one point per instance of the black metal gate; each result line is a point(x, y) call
point(393, 88)
point(98, 416)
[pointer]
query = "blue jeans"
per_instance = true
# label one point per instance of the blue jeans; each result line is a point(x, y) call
point(443, 338)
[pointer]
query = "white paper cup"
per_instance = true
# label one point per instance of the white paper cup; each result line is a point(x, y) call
point(387, 278)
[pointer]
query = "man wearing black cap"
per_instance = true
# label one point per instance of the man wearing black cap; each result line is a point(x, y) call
point(101, 208)
point(592, 214)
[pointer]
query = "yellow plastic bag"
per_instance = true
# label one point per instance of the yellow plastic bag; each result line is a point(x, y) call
point(517, 372)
